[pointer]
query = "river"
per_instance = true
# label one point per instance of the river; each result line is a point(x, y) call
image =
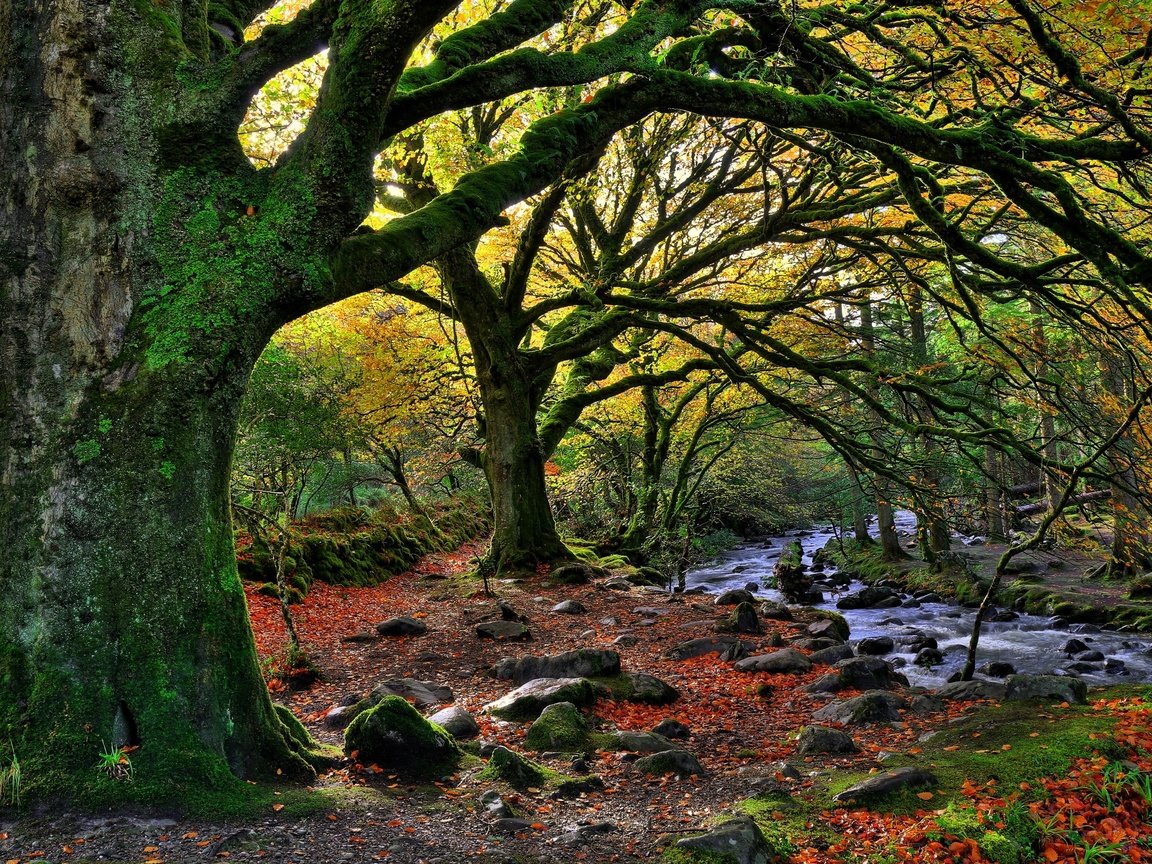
point(1031, 643)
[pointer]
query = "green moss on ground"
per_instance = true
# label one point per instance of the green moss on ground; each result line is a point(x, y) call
point(1005, 745)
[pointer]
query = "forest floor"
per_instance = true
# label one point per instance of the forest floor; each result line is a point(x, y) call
point(1016, 782)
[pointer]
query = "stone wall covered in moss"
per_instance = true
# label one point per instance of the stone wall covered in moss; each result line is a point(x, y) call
point(357, 547)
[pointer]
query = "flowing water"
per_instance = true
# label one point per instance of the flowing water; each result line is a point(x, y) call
point(1031, 643)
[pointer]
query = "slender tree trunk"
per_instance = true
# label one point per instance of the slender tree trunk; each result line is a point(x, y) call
point(885, 522)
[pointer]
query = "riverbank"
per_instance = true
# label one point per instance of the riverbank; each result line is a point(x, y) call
point(743, 730)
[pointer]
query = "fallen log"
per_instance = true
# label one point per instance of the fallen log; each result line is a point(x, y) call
point(1082, 498)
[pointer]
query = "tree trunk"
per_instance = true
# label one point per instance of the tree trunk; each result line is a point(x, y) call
point(124, 621)
point(524, 530)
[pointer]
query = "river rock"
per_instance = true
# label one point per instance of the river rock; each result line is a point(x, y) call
point(832, 654)
point(775, 611)
point(402, 626)
point(507, 631)
point(964, 691)
point(810, 643)
point(734, 597)
point(865, 673)
point(875, 706)
point(889, 781)
point(394, 735)
point(1065, 689)
point(1074, 646)
point(1090, 657)
point(997, 669)
point(456, 722)
point(1112, 666)
point(875, 645)
point(786, 660)
point(829, 628)
point(738, 841)
point(928, 657)
point(821, 739)
point(528, 700)
point(570, 607)
point(581, 663)
point(870, 597)
point(742, 620)
point(679, 762)
point(915, 642)
point(728, 647)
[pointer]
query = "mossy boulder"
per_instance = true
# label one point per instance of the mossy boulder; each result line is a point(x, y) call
point(560, 726)
point(636, 687)
point(393, 734)
point(514, 769)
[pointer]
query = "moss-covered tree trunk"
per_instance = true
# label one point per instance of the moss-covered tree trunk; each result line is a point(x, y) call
point(123, 622)
point(524, 530)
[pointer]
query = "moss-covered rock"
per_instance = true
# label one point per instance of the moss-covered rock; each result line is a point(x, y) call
point(560, 726)
point(514, 769)
point(393, 734)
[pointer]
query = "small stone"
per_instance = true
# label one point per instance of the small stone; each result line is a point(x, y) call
point(626, 640)
point(361, 637)
point(570, 607)
point(821, 739)
point(507, 631)
point(928, 657)
point(456, 722)
point(670, 728)
point(511, 826)
point(402, 626)
point(889, 781)
point(679, 762)
point(734, 597)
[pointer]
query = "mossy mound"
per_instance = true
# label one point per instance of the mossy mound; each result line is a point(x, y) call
point(561, 727)
point(512, 768)
point(355, 547)
point(395, 735)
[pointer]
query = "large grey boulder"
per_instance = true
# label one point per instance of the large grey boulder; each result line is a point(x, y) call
point(875, 706)
point(734, 597)
point(830, 628)
point(832, 654)
point(738, 841)
point(570, 607)
point(424, 694)
point(876, 646)
point(642, 742)
point(1058, 687)
point(529, 699)
point(581, 663)
point(821, 739)
point(889, 781)
point(636, 687)
point(786, 660)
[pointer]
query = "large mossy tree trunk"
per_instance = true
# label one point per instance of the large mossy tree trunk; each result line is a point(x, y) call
point(124, 621)
point(144, 264)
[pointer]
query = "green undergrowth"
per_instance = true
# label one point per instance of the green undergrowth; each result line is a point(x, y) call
point(1008, 748)
point(354, 547)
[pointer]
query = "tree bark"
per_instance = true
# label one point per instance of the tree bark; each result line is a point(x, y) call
point(524, 529)
point(124, 620)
